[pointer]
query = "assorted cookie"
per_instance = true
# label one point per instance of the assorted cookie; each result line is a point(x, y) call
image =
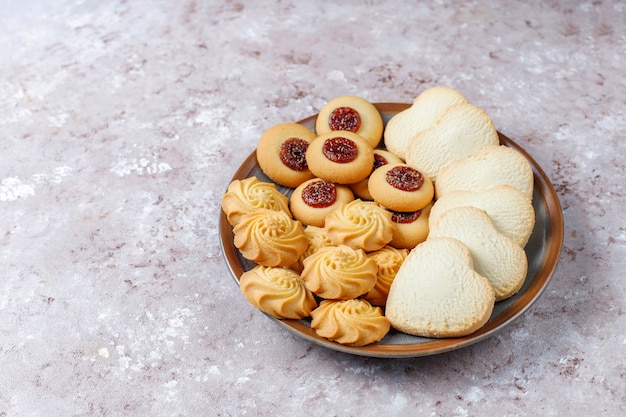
point(423, 235)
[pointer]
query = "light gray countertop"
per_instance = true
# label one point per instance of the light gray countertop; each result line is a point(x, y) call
point(123, 122)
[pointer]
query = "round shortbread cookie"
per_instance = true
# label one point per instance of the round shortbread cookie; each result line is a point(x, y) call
point(400, 187)
point(353, 114)
point(312, 200)
point(341, 157)
point(281, 153)
point(381, 157)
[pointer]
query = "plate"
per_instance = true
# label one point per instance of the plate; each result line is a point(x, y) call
point(543, 250)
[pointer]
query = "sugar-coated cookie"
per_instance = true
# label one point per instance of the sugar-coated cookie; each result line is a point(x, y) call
point(400, 187)
point(281, 153)
point(314, 199)
point(350, 322)
point(353, 114)
point(411, 228)
point(381, 157)
point(340, 157)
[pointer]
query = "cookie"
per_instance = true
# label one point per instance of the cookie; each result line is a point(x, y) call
point(388, 259)
point(399, 187)
point(437, 293)
point(462, 131)
point(270, 238)
point(496, 165)
point(281, 153)
point(423, 113)
point(361, 225)
point(350, 322)
point(340, 157)
point(339, 272)
point(496, 257)
point(279, 292)
point(411, 228)
point(381, 157)
point(314, 199)
point(247, 195)
point(353, 114)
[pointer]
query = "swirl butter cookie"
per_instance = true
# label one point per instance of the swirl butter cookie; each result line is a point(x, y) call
point(279, 292)
point(340, 157)
point(281, 153)
point(353, 114)
point(339, 272)
point(270, 238)
point(400, 187)
point(247, 195)
point(361, 225)
point(388, 259)
point(350, 322)
point(314, 199)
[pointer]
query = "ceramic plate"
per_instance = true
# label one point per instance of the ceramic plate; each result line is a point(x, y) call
point(543, 251)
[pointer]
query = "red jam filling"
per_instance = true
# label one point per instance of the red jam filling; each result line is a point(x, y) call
point(379, 161)
point(405, 217)
point(293, 154)
point(319, 194)
point(405, 178)
point(344, 118)
point(340, 150)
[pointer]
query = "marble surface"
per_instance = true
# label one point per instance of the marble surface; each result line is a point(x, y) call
point(122, 123)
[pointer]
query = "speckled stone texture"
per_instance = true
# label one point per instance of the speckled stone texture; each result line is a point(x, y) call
point(122, 123)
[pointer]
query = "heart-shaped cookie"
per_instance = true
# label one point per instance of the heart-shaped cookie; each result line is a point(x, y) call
point(437, 293)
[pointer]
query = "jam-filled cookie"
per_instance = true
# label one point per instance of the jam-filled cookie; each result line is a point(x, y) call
point(314, 199)
point(411, 227)
point(281, 153)
point(341, 157)
point(400, 187)
point(354, 114)
point(381, 157)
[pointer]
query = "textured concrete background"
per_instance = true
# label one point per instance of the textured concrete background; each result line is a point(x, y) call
point(122, 123)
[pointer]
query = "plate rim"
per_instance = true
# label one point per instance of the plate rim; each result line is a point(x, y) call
point(552, 252)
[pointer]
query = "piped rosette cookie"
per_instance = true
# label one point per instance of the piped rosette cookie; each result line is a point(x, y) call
point(388, 260)
point(314, 199)
point(281, 153)
point(361, 225)
point(270, 238)
point(248, 195)
point(339, 272)
point(277, 291)
point(350, 322)
point(352, 114)
point(317, 238)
